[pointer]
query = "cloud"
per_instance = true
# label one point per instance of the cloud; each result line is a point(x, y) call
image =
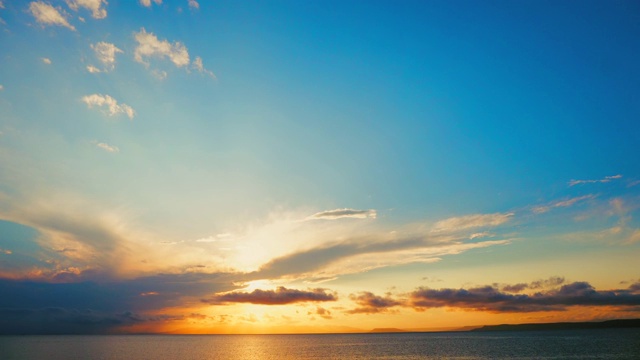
point(1, 87)
point(92, 69)
point(147, 3)
point(563, 203)
point(471, 221)
point(198, 66)
point(108, 148)
point(194, 4)
point(322, 312)
point(110, 103)
point(46, 60)
point(344, 213)
point(491, 299)
point(106, 54)
point(369, 303)
point(48, 15)
point(95, 6)
point(280, 296)
point(150, 46)
point(605, 180)
point(539, 284)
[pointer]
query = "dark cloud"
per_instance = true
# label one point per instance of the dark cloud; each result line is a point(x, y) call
point(280, 296)
point(369, 303)
point(322, 312)
point(490, 298)
point(539, 284)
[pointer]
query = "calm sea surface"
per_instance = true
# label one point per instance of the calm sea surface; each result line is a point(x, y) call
point(579, 344)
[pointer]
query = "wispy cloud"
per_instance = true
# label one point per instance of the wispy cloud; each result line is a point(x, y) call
point(108, 148)
point(471, 221)
point(194, 4)
point(199, 67)
point(491, 299)
point(562, 203)
point(92, 69)
point(344, 213)
point(538, 284)
point(147, 3)
point(280, 296)
point(369, 303)
point(110, 103)
point(48, 15)
point(106, 53)
point(95, 6)
point(46, 60)
point(150, 46)
point(606, 179)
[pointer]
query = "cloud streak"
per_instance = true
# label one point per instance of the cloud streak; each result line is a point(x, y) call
point(606, 179)
point(343, 213)
point(280, 296)
point(471, 221)
point(563, 203)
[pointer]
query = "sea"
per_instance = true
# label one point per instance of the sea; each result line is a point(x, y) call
point(553, 344)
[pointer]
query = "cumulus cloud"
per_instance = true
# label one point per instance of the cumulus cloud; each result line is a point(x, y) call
point(48, 15)
point(280, 296)
point(194, 4)
point(369, 303)
point(109, 103)
point(46, 60)
point(606, 179)
point(471, 221)
point(563, 203)
point(108, 148)
point(344, 213)
point(95, 6)
point(147, 3)
point(491, 299)
point(106, 53)
point(150, 46)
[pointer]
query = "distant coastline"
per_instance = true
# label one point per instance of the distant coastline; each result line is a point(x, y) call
point(609, 324)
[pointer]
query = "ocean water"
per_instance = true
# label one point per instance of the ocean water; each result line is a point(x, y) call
point(576, 344)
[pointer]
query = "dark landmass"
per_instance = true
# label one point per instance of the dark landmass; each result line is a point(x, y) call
point(610, 324)
point(387, 330)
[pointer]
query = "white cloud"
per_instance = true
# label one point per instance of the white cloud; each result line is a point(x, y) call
point(48, 15)
point(471, 221)
point(106, 54)
point(194, 4)
point(344, 213)
point(150, 46)
point(95, 6)
point(108, 148)
point(46, 60)
point(564, 203)
point(605, 180)
point(1, 5)
point(1, 87)
point(112, 105)
point(198, 66)
point(159, 74)
point(92, 69)
point(147, 3)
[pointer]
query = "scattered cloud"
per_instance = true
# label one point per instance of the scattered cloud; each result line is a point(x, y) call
point(110, 103)
point(194, 4)
point(5, 251)
point(605, 180)
point(106, 53)
point(280, 296)
point(46, 60)
point(322, 312)
point(48, 15)
point(1, 87)
point(480, 235)
point(369, 303)
point(199, 67)
point(471, 221)
point(95, 6)
point(491, 299)
point(150, 46)
point(147, 3)
point(92, 69)
point(343, 213)
point(563, 203)
point(108, 148)
point(539, 284)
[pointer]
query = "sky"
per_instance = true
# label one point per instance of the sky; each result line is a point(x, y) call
point(183, 166)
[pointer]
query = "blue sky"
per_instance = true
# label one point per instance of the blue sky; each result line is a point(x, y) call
point(352, 146)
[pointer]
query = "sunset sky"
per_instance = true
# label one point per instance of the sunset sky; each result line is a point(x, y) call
point(317, 166)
